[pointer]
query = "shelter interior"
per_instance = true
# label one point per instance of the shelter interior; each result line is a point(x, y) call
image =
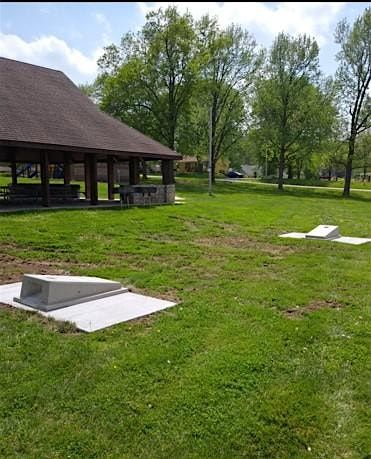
point(41, 161)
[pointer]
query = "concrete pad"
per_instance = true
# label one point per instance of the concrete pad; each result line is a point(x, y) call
point(48, 292)
point(324, 232)
point(294, 235)
point(352, 240)
point(342, 239)
point(93, 315)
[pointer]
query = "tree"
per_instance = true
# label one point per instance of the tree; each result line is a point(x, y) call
point(230, 62)
point(90, 90)
point(363, 153)
point(309, 130)
point(148, 79)
point(353, 76)
point(288, 103)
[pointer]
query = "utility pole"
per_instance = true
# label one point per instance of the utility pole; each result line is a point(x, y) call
point(210, 149)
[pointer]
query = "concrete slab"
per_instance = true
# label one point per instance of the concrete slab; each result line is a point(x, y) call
point(342, 239)
point(324, 232)
point(294, 235)
point(93, 315)
point(352, 240)
point(48, 292)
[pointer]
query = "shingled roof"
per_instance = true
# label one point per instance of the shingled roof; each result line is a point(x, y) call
point(42, 107)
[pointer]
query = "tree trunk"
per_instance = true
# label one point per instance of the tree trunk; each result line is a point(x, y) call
point(364, 173)
point(172, 116)
point(298, 169)
point(171, 141)
point(290, 173)
point(213, 137)
point(281, 168)
point(213, 164)
point(348, 167)
point(329, 174)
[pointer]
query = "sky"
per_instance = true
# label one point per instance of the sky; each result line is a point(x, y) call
point(71, 36)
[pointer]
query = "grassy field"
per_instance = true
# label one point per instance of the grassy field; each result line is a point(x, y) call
point(102, 187)
point(355, 184)
point(266, 355)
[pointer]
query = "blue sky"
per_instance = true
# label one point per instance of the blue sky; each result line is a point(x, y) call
point(71, 36)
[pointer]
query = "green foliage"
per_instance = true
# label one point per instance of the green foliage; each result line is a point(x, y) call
point(292, 113)
point(146, 81)
point(362, 157)
point(231, 63)
point(353, 77)
point(166, 78)
point(90, 90)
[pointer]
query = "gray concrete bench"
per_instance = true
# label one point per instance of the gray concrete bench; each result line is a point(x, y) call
point(127, 193)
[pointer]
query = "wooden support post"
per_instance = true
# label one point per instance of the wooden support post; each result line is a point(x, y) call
point(110, 177)
point(93, 180)
point(167, 167)
point(67, 169)
point(134, 177)
point(14, 172)
point(87, 178)
point(44, 167)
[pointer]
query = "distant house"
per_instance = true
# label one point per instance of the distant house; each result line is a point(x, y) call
point(46, 120)
point(189, 164)
point(252, 170)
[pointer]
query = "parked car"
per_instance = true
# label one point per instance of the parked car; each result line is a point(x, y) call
point(234, 174)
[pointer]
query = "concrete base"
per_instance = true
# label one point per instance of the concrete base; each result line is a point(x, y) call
point(352, 240)
point(93, 315)
point(342, 239)
point(47, 292)
point(294, 235)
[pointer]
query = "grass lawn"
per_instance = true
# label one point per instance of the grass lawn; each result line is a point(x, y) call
point(266, 355)
point(355, 184)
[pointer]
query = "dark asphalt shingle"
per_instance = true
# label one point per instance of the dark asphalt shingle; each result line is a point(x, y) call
point(43, 106)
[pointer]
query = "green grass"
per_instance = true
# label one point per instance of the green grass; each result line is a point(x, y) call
point(226, 373)
point(356, 184)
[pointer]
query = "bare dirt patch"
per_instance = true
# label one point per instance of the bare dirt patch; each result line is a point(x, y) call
point(244, 242)
point(12, 268)
point(295, 313)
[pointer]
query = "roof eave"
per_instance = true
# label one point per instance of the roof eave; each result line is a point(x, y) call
point(81, 149)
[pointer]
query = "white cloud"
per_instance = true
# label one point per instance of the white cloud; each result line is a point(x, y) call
point(50, 51)
point(53, 52)
point(107, 29)
point(313, 18)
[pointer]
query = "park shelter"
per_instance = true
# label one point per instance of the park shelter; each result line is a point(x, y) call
point(45, 119)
